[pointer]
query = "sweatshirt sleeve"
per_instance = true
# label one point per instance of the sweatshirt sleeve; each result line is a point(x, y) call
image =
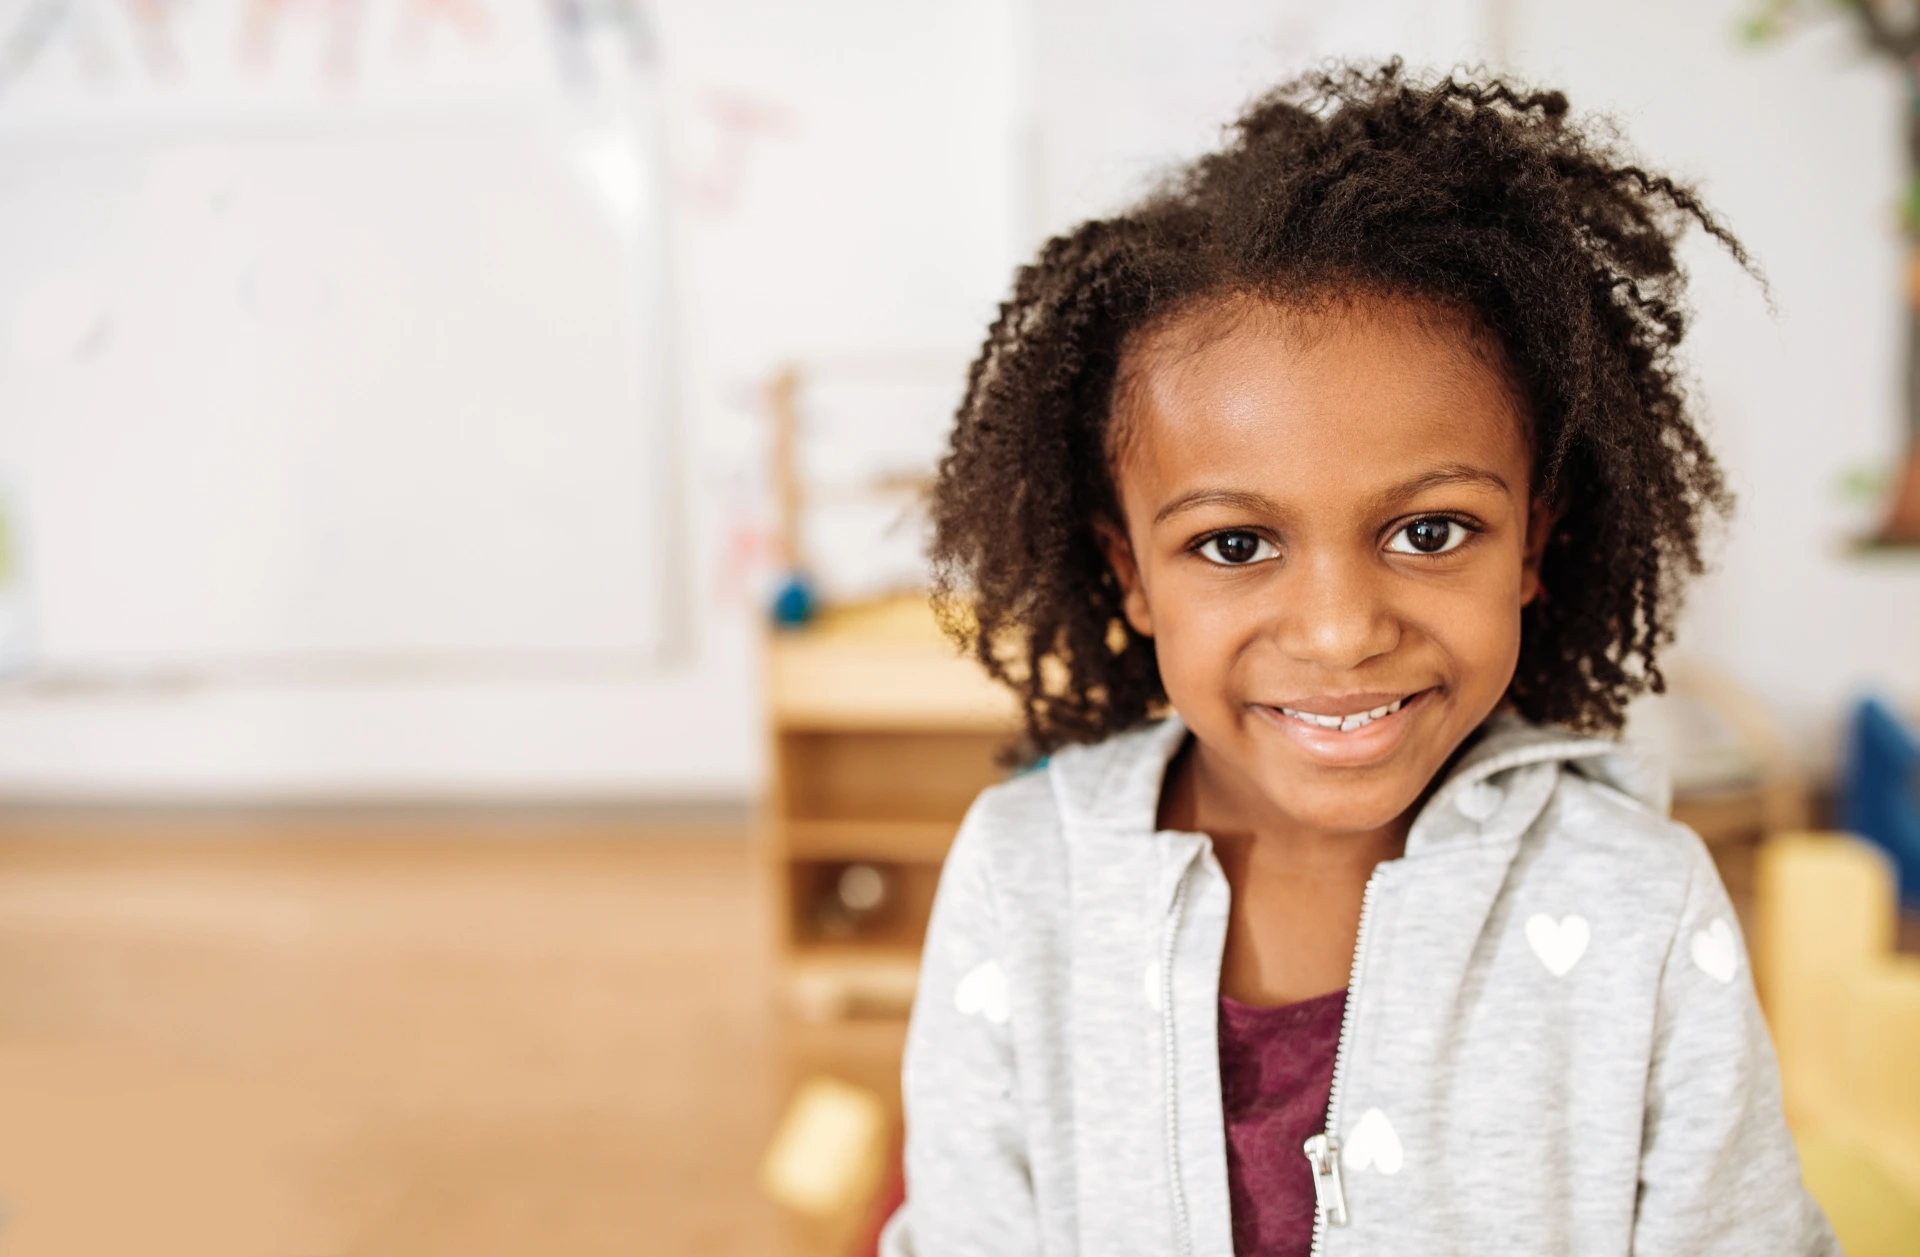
point(969, 1190)
point(1718, 1170)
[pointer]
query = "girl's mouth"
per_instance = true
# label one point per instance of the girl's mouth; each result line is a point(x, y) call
point(1346, 724)
point(1350, 730)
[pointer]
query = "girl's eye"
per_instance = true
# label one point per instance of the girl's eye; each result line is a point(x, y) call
point(1434, 535)
point(1236, 549)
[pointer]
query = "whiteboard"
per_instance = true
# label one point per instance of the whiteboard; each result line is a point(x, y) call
point(325, 383)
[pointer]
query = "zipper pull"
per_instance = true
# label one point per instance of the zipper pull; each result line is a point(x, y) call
point(1329, 1193)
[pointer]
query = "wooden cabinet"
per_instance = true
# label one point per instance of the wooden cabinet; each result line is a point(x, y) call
point(882, 734)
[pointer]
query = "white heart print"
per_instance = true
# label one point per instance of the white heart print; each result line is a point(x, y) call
point(983, 991)
point(1714, 952)
point(1371, 1144)
point(1559, 944)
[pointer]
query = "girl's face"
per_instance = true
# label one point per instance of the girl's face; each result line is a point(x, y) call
point(1329, 533)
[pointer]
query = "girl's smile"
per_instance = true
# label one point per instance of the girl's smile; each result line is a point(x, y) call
point(1349, 730)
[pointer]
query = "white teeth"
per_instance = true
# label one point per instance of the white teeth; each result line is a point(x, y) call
point(1346, 724)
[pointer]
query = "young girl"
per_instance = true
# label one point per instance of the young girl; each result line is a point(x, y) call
point(1318, 509)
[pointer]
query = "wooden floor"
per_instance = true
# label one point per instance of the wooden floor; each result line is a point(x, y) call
point(315, 1041)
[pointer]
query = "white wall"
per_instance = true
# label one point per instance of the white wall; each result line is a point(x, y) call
point(870, 215)
point(858, 176)
point(1126, 89)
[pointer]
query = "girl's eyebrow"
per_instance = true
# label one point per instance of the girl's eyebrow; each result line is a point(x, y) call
point(1245, 500)
point(1451, 474)
point(1252, 502)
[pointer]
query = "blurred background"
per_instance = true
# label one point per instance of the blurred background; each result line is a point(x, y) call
point(473, 761)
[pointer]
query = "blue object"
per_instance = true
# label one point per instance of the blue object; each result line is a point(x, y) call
point(1880, 790)
point(793, 604)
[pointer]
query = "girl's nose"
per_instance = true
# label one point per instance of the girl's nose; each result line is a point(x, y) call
point(1334, 615)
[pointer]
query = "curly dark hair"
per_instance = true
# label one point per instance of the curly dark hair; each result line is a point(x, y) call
point(1480, 196)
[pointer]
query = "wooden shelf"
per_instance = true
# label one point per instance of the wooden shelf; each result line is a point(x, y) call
point(885, 688)
point(882, 842)
point(880, 737)
point(881, 666)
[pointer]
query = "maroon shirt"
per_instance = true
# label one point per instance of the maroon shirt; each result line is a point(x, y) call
point(1276, 1068)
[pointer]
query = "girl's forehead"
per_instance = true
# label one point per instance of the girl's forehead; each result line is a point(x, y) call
point(1327, 380)
point(1339, 389)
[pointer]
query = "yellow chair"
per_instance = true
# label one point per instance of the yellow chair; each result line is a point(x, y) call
point(1845, 1014)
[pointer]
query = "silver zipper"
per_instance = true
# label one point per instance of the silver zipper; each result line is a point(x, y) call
point(1329, 1193)
point(1177, 913)
point(1323, 1150)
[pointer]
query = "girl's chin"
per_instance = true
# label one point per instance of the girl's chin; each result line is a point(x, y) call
point(1345, 806)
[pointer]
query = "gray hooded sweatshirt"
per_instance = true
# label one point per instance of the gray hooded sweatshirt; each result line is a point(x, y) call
point(1551, 1041)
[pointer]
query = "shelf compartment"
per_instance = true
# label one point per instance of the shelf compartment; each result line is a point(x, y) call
point(900, 923)
point(886, 775)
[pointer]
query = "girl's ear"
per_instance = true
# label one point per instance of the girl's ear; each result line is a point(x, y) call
point(1542, 516)
point(1133, 596)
